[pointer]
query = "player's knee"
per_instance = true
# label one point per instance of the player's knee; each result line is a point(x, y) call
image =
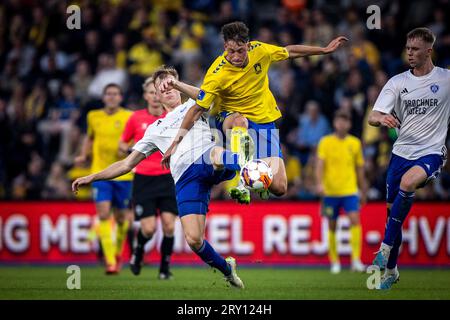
point(240, 121)
point(408, 184)
point(148, 229)
point(168, 229)
point(354, 219)
point(279, 188)
point(331, 224)
point(194, 241)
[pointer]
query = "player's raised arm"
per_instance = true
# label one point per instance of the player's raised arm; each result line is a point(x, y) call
point(113, 171)
point(170, 83)
point(297, 50)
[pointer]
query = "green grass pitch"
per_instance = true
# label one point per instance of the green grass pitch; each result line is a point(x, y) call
point(40, 282)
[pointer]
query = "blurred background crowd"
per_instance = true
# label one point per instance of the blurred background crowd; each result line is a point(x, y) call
point(50, 76)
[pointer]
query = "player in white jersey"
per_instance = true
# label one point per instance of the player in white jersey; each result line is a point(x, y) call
point(196, 166)
point(417, 104)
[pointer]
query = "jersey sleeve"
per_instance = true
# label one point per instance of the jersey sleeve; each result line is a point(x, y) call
point(145, 145)
point(128, 132)
point(276, 53)
point(387, 98)
point(208, 91)
point(321, 149)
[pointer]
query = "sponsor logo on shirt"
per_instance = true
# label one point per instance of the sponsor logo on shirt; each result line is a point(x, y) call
point(419, 106)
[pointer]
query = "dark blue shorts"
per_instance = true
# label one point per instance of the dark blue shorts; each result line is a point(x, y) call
point(266, 136)
point(118, 192)
point(432, 164)
point(331, 206)
point(193, 189)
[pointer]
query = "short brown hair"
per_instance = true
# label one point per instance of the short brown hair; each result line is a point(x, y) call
point(112, 85)
point(422, 33)
point(236, 31)
point(164, 71)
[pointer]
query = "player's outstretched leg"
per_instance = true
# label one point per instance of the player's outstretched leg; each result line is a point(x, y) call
point(228, 267)
point(194, 228)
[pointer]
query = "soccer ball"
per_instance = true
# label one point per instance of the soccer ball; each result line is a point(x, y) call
point(256, 174)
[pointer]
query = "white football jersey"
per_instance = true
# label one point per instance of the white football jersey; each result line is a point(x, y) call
point(422, 106)
point(160, 135)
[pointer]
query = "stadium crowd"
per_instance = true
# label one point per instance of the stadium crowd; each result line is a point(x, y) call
point(51, 76)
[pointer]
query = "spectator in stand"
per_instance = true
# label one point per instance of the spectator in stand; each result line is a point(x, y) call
point(311, 128)
point(107, 72)
point(57, 186)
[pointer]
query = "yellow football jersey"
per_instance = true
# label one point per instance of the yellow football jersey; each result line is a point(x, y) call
point(341, 158)
point(105, 130)
point(244, 90)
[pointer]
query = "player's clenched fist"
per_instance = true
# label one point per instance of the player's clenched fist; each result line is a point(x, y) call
point(80, 182)
point(167, 84)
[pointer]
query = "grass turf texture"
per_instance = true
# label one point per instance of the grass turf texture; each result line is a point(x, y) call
point(26, 282)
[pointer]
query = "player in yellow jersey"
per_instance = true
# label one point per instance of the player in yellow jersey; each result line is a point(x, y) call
point(339, 172)
point(238, 79)
point(104, 128)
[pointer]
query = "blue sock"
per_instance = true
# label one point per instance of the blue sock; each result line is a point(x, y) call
point(400, 208)
point(393, 255)
point(230, 160)
point(211, 257)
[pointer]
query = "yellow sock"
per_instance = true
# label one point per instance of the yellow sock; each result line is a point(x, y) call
point(332, 247)
point(236, 134)
point(355, 241)
point(106, 238)
point(121, 233)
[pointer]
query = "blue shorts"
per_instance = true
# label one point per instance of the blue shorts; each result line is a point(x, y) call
point(331, 206)
point(193, 189)
point(266, 136)
point(118, 192)
point(432, 164)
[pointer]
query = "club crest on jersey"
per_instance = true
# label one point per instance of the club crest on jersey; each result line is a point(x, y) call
point(434, 88)
point(257, 67)
point(201, 95)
